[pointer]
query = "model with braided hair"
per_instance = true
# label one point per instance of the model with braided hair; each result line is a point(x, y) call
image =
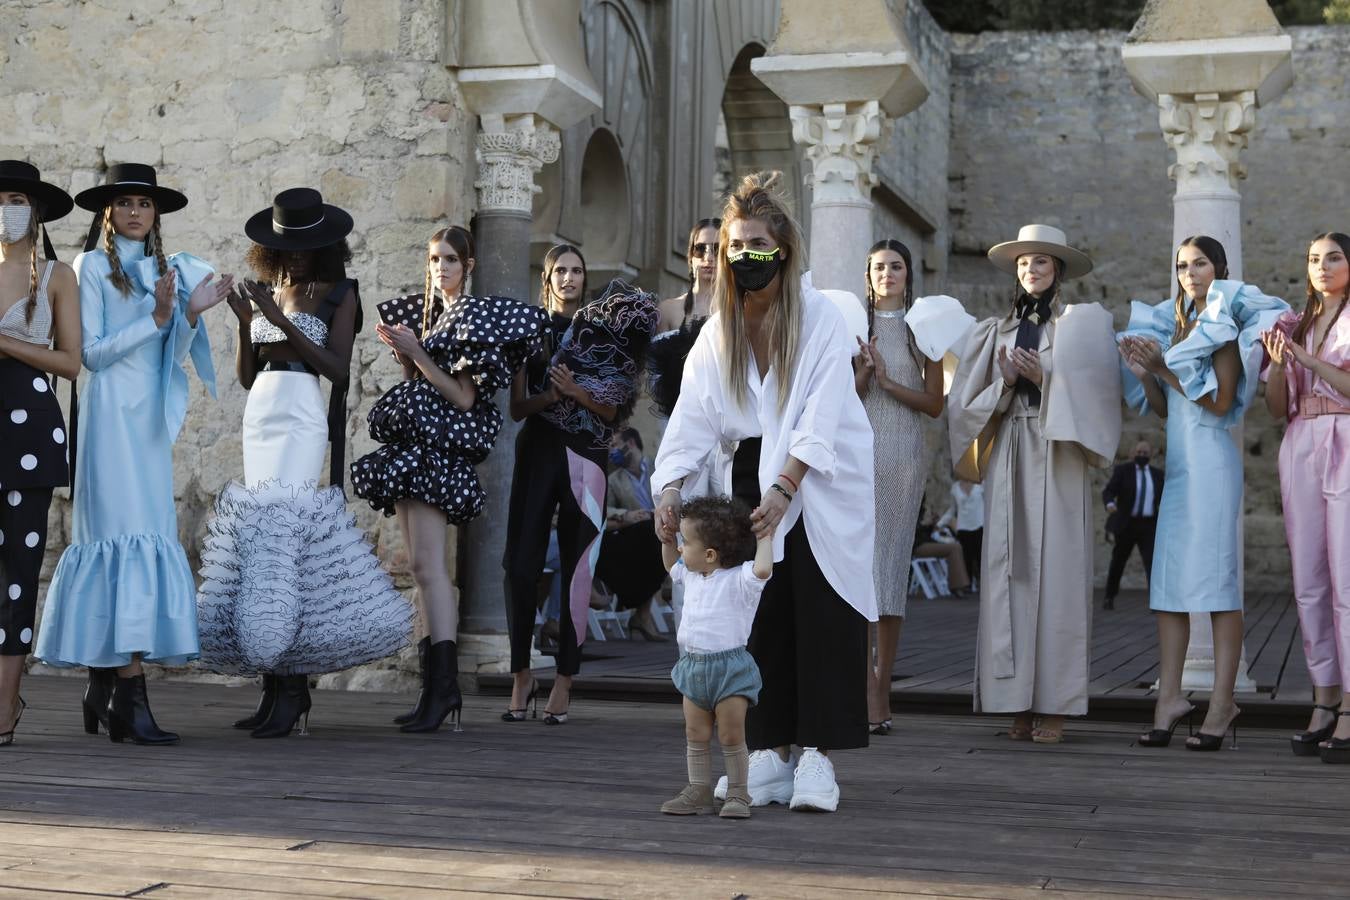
point(1308, 384)
point(435, 426)
point(123, 591)
point(898, 386)
point(771, 372)
point(39, 337)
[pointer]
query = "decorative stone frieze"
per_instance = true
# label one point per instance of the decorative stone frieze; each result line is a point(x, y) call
point(510, 151)
point(840, 142)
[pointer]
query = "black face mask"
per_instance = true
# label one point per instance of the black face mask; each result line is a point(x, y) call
point(1141, 460)
point(753, 270)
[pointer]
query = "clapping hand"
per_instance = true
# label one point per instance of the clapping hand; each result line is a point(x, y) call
point(211, 291)
point(1020, 363)
point(240, 305)
point(262, 297)
point(165, 294)
point(407, 348)
point(1127, 354)
point(563, 382)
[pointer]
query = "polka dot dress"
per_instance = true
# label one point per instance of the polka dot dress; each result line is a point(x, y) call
point(32, 462)
point(431, 445)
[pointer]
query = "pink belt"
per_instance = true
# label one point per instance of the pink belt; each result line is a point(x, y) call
point(1310, 406)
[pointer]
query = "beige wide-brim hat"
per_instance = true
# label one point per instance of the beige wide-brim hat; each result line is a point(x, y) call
point(1045, 239)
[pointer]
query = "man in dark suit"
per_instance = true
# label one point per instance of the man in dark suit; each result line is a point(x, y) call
point(1132, 497)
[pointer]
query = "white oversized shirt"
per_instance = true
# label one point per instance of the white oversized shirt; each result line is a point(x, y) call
point(719, 607)
point(823, 424)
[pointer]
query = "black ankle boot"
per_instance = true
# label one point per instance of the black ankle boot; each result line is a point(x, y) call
point(291, 703)
point(97, 694)
point(442, 692)
point(129, 715)
point(416, 712)
point(269, 696)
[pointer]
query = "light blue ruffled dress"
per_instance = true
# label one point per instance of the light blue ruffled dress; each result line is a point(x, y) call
point(124, 586)
point(1195, 554)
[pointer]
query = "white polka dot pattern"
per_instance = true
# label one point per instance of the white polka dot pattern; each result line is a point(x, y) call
point(18, 416)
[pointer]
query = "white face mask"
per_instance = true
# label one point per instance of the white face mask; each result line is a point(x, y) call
point(14, 223)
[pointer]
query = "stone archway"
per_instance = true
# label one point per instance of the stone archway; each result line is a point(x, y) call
point(605, 210)
point(758, 132)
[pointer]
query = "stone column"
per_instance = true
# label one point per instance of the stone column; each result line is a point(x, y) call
point(842, 94)
point(840, 144)
point(509, 154)
point(1207, 91)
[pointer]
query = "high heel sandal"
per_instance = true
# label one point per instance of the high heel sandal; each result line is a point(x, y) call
point(1161, 737)
point(560, 718)
point(518, 715)
point(882, 727)
point(1307, 743)
point(7, 737)
point(1336, 750)
point(1210, 742)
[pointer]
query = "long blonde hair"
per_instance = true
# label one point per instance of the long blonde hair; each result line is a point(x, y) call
point(756, 198)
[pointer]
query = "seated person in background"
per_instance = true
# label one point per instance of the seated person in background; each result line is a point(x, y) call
point(630, 553)
point(927, 547)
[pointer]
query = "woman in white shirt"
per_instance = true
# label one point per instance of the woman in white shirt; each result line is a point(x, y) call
point(771, 369)
point(967, 514)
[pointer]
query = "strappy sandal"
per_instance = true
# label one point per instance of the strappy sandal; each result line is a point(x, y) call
point(1042, 735)
point(1307, 743)
point(1018, 732)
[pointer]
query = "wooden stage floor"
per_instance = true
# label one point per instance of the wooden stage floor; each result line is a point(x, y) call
point(942, 807)
point(937, 659)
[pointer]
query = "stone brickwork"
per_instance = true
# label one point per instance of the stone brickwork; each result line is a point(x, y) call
point(1046, 127)
point(233, 102)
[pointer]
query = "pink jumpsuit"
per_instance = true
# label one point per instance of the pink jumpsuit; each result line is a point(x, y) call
point(1315, 485)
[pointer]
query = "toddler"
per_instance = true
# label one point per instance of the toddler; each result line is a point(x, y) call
point(723, 571)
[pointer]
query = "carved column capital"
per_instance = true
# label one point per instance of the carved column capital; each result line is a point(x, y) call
point(840, 141)
point(510, 151)
point(1208, 131)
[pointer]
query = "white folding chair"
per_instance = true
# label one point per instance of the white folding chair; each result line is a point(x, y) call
point(596, 618)
point(930, 576)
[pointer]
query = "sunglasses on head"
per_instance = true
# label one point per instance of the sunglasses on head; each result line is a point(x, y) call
point(703, 251)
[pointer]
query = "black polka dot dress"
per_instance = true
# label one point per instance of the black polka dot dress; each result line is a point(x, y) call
point(32, 463)
point(430, 445)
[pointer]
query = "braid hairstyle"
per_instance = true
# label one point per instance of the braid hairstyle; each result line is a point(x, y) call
point(156, 242)
point(757, 197)
point(116, 275)
point(1183, 308)
point(34, 227)
point(714, 223)
point(461, 241)
point(1313, 308)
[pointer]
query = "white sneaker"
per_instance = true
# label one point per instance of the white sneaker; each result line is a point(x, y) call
point(813, 784)
point(770, 779)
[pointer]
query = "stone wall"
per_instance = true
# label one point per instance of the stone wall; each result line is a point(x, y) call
point(234, 102)
point(1046, 127)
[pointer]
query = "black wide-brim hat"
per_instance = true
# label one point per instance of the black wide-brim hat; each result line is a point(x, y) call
point(49, 200)
point(298, 219)
point(131, 180)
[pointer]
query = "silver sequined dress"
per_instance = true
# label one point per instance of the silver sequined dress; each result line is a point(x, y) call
point(901, 463)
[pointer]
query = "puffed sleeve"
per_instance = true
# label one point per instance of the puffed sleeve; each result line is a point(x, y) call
point(978, 398)
point(102, 347)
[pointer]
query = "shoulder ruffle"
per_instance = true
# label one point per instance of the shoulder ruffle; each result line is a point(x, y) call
point(490, 337)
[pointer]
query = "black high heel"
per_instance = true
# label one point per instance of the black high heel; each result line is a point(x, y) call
point(97, 694)
point(1210, 742)
point(1337, 750)
point(265, 701)
point(7, 738)
point(882, 727)
point(558, 718)
point(1307, 743)
point(289, 709)
point(442, 695)
point(129, 714)
point(1161, 737)
point(518, 715)
point(420, 705)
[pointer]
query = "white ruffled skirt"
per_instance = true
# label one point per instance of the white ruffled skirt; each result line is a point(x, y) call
point(289, 583)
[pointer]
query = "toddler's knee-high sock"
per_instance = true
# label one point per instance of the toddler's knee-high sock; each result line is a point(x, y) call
point(698, 757)
point(737, 759)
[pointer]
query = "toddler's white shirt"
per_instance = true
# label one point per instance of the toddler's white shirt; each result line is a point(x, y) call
point(719, 608)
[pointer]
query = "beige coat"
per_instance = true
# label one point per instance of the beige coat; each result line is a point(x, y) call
point(1036, 576)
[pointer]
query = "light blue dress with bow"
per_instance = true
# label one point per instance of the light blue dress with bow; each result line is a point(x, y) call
point(1195, 553)
point(124, 586)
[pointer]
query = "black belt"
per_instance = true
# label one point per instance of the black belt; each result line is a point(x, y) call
point(287, 365)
